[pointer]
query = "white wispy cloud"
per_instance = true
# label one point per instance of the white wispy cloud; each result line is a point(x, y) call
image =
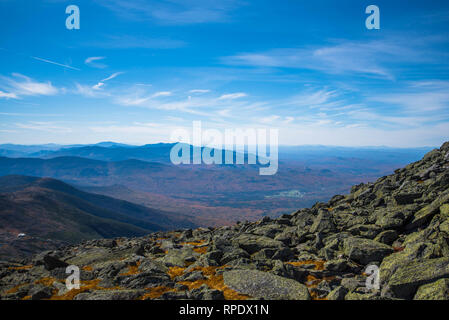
point(140, 98)
point(315, 98)
point(44, 126)
point(162, 94)
point(90, 91)
point(174, 11)
point(232, 96)
point(416, 101)
point(289, 119)
point(224, 112)
point(131, 101)
point(372, 58)
point(135, 42)
point(199, 91)
point(20, 85)
point(269, 119)
point(101, 84)
point(92, 61)
point(112, 76)
point(8, 95)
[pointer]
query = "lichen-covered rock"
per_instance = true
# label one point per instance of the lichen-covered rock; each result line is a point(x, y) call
point(408, 278)
point(264, 285)
point(338, 265)
point(338, 293)
point(387, 237)
point(413, 252)
point(438, 290)
point(365, 251)
point(323, 223)
point(362, 296)
point(252, 243)
point(426, 213)
point(111, 295)
point(406, 198)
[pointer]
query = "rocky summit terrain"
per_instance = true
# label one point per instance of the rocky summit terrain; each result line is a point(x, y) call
point(400, 224)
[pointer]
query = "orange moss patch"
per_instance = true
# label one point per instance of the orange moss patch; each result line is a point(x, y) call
point(132, 270)
point(84, 286)
point(312, 282)
point(87, 268)
point(207, 271)
point(15, 289)
point(319, 265)
point(315, 295)
point(398, 249)
point(21, 268)
point(26, 298)
point(174, 272)
point(330, 209)
point(156, 292)
point(48, 281)
point(194, 243)
point(200, 250)
point(214, 281)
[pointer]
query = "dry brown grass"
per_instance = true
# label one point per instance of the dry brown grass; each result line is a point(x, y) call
point(200, 250)
point(214, 281)
point(311, 280)
point(156, 292)
point(14, 289)
point(194, 243)
point(84, 286)
point(174, 272)
point(47, 281)
point(319, 265)
point(21, 268)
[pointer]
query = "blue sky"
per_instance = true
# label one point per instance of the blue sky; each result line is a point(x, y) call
point(138, 70)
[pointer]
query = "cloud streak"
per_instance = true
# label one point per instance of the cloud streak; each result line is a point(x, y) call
point(20, 85)
point(92, 62)
point(370, 58)
point(173, 12)
point(135, 42)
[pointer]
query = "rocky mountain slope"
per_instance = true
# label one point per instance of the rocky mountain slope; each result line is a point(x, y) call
point(400, 223)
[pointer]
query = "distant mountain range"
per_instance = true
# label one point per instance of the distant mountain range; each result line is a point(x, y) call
point(50, 209)
point(209, 194)
point(16, 150)
point(160, 152)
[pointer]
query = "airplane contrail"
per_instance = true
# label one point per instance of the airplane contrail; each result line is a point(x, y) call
point(55, 63)
point(40, 59)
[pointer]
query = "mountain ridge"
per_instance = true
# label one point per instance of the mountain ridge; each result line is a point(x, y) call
point(73, 215)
